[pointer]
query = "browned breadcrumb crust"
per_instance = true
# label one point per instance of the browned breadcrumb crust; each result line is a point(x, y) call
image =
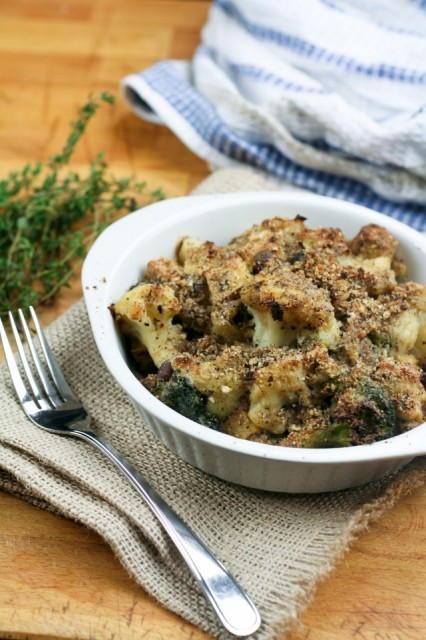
point(294, 336)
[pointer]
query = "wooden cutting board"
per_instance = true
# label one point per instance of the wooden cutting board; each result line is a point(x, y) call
point(57, 579)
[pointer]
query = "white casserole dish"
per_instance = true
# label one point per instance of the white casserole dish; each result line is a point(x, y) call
point(118, 259)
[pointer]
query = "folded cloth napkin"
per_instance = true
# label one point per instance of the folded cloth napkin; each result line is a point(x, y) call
point(278, 546)
point(329, 95)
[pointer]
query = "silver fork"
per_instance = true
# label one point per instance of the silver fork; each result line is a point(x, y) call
point(51, 404)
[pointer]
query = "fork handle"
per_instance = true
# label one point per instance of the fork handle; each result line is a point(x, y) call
point(230, 603)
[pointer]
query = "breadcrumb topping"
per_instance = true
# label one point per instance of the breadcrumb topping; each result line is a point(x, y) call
point(288, 335)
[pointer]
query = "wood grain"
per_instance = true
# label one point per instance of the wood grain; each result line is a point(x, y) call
point(57, 579)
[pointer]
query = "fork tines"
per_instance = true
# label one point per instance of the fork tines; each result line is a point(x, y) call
point(42, 385)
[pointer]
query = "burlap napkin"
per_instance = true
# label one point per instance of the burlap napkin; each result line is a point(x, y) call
point(277, 546)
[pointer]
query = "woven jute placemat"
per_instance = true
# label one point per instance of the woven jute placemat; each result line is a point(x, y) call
point(278, 546)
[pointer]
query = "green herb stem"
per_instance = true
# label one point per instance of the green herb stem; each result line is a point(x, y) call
point(49, 217)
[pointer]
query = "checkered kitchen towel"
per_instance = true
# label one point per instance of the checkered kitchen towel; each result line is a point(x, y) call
point(329, 95)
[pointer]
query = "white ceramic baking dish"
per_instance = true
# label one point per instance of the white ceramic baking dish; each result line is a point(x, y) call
point(118, 259)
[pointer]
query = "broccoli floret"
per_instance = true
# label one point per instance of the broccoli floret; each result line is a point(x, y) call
point(378, 411)
point(179, 394)
point(336, 434)
point(368, 410)
point(361, 415)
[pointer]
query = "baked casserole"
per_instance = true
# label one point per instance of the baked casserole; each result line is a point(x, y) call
point(288, 335)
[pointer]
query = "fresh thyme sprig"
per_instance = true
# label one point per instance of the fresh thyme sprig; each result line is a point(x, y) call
point(50, 217)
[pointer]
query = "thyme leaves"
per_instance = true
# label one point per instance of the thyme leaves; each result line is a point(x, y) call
point(50, 215)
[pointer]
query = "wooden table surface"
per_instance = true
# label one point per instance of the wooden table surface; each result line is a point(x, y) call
point(59, 580)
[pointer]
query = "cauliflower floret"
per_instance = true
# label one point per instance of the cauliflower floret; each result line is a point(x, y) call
point(224, 280)
point(289, 384)
point(223, 268)
point(419, 349)
point(402, 380)
point(373, 251)
point(420, 345)
point(404, 331)
point(287, 306)
point(328, 238)
point(238, 424)
point(164, 270)
point(276, 237)
point(381, 277)
point(220, 378)
point(374, 241)
point(376, 273)
point(146, 313)
point(225, 273)
point(190, 290)
point(320, 367)
point(408, 329)
point(281, 383)
point(194, 255)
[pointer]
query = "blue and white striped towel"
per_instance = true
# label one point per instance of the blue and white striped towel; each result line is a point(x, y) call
point(329, 95)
